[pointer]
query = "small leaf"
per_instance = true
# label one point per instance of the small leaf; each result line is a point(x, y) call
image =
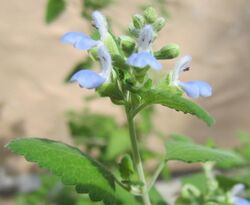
point(54, 9)
point(172, 100)
point(73, 166)
point(189, 152)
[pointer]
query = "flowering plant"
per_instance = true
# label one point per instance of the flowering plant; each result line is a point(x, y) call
point(125, 62)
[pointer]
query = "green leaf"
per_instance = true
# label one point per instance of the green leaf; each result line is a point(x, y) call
point(156, 197)
point(187, 151)
point(172, 100)
point(54, 9)
point(73, 166)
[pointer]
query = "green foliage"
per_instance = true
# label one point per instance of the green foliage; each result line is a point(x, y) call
point(174, 101)
point(156, 197)
point(189, 152)
point(111, 139)
point(54, 10)
point(126, 168)
point(88, 6)
point(73, 166)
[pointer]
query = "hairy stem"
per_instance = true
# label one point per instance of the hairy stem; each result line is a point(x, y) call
point(137, 158)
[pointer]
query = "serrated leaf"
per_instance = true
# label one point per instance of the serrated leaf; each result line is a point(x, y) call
point(73, 166)
point(54, 9)
point(189, 152)
point(174, 101)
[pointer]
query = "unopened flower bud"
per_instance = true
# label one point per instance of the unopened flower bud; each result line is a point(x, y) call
point(168, 52)
point(133, 31)
point(127, 43)
point(150, 15)
point(159, 24)
point(138, 21)
point(126, 167)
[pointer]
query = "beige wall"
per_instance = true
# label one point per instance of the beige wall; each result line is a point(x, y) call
point(34, 63)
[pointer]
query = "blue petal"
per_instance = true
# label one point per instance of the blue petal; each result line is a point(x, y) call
point(196, 89)
point(190, 89)
point(143, 59)
point(241, 201)
point(79, 40)
point(88, 79)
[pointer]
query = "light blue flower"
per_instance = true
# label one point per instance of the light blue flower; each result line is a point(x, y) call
point(237, 190)
point(90, 79)
point(84, 42)
point(193, 89)
point(144, 57)
point(241, 201)
point(79, 40)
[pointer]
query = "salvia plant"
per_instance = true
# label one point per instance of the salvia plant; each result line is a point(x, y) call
point(125, 64)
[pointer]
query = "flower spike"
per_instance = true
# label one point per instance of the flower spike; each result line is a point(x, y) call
point(143, 57)
point(193, 89)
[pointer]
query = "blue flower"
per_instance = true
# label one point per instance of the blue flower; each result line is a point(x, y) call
point(84, 42)
point(241, 201)
point(79, 40)
point(194, 88)
point(237, 190)
point(144, 57)
point(90, 79)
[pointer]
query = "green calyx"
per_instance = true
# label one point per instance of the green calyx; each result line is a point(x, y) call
point(138, 21)
point(150, 15)
point(159, 24)
point(169, 51)
point(127, 44)
point(111, 90)
point(126, 167)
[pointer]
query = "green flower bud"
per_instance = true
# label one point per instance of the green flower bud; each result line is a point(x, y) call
point(127, 44)
point(138, 21)
point(150, 15)
point(159, 24)
point(133, 31)
point(110, 43)
point(111, 90)
point(168, 52)
point(126, 167)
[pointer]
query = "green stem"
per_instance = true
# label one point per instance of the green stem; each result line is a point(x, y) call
point(137, 158)
point(156, 174)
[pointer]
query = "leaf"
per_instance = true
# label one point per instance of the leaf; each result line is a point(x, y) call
point(174, 101)
point(73, 166)
point(156, 197)
point(189, 152)
point(54, 9)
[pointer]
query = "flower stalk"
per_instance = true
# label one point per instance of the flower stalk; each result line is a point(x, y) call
point(137, 158)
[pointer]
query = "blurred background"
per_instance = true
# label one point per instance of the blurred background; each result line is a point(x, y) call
point(34, 99)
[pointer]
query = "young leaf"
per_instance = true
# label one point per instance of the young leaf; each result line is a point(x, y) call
point(73, 166)
point(54, 9)
point(174, 101)
point(189, 152)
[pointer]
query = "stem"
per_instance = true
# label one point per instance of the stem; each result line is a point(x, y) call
point(137, 158)
point(156, 174)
